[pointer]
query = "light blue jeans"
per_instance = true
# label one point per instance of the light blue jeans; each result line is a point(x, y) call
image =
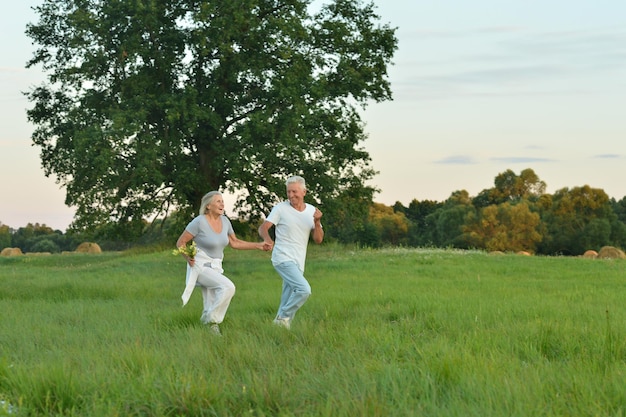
point(296, 289)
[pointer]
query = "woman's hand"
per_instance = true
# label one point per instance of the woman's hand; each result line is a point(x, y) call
point(264, 246)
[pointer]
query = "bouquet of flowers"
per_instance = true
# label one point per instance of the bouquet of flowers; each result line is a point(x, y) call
point(189, 250)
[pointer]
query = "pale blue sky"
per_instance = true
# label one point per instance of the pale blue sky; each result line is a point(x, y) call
point(479, 87)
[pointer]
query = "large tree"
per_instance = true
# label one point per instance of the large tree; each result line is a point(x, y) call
point(503, 227)
point(392, 226)
point(578, 219)
point(149, 104)
point(447, 221)
point(509, 187)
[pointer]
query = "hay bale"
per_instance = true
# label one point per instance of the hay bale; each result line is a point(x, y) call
point(590, 254)
point(523, 252)
point(611, 252)
point(88, 247)
point(11, 252)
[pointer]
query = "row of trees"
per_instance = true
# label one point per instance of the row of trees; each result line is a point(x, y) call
point(36, 238)
point(514, 215)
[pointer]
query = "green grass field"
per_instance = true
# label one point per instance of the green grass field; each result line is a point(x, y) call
point(392, 332)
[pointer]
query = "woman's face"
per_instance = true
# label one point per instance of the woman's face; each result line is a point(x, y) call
point(216, 205)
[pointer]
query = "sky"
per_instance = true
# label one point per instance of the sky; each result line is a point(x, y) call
point(479, 87)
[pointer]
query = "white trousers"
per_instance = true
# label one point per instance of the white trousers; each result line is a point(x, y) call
point(217, 291)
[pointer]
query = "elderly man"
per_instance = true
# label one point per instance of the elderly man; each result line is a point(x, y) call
point(294, 221)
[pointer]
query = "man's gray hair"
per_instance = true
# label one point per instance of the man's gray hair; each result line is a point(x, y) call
point(296, 179)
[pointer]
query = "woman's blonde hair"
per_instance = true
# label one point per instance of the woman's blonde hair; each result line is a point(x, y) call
point(206, 200)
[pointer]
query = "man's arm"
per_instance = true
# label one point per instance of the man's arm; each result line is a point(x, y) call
point(318, 231)
point(264, 232)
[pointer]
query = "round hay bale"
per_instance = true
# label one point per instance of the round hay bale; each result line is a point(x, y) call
point(523, 252)
point(590, 254)
point(611, 252)
point(11, 252)
point(88, 247)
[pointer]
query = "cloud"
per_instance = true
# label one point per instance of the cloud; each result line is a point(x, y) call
point(431, 34)
point(11, 70)
point(608, 156)
point(521, 159)
point(457, 160)
point(507, 61)
point(469, 160)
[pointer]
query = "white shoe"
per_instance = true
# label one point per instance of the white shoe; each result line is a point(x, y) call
point(283, 322)
point(215, 328)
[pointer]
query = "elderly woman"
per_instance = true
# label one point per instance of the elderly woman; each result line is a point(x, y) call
point(212, 232)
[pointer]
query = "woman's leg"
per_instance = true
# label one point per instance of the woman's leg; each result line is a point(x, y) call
point(208, 299)
point(217, 291)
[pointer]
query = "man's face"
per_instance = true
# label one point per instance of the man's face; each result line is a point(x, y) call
point(295, 194)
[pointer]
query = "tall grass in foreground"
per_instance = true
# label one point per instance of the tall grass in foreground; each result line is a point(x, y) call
point(386, 333)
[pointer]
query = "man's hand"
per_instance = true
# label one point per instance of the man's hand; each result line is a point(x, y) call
point(317, 216)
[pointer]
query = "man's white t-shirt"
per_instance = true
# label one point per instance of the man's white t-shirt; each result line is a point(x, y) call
point(292, 228)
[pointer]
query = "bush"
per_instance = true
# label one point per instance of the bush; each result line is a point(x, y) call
point(46, 245)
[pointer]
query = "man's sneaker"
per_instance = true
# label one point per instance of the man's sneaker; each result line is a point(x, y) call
point(283, 322)
point(215, 328)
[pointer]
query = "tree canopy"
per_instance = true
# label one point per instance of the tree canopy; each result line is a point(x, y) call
point(149, 104)
point(517, 215)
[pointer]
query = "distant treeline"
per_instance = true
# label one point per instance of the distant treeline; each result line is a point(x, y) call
point(515, 215)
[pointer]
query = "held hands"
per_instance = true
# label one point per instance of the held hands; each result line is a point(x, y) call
point(265, 246)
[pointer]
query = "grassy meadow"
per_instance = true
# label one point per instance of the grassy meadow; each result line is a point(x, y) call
point(390, 332)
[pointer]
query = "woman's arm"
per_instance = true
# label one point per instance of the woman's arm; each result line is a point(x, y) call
point(237, 243)
point(184, 238)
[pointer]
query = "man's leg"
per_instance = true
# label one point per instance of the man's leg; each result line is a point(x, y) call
point(296, 289)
